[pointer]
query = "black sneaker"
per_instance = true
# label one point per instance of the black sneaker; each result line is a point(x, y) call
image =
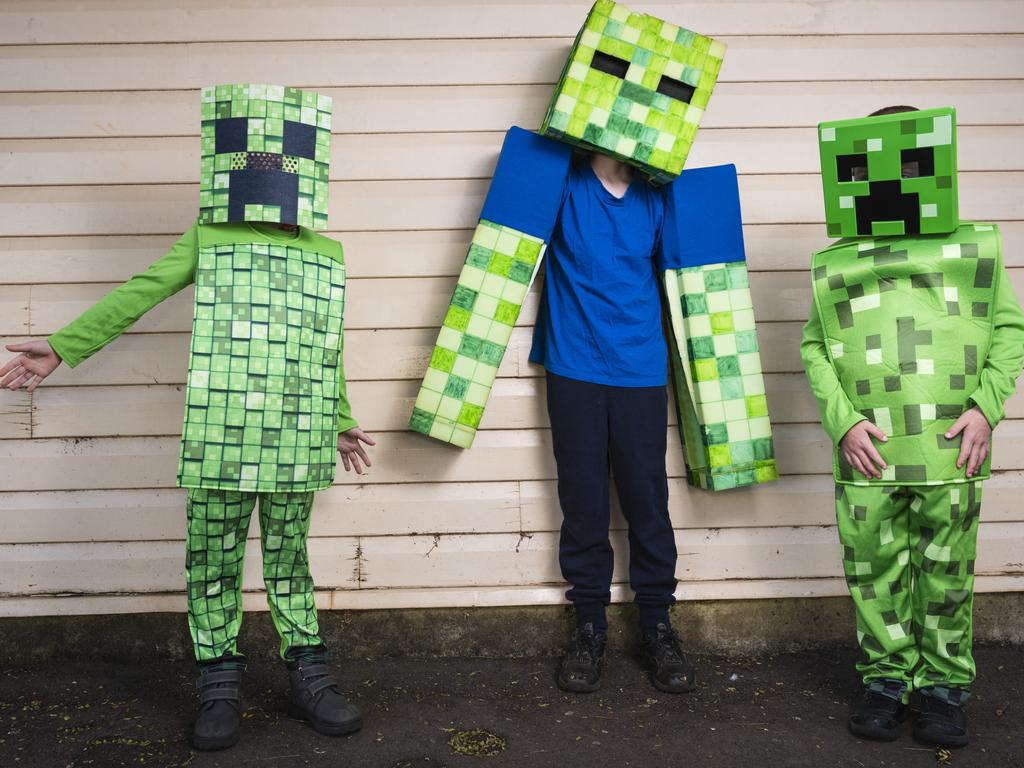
point(220, 704)
point(941, 723)
point(671, 671)
point(580, 670)
point(877, 716)
point(315, 697)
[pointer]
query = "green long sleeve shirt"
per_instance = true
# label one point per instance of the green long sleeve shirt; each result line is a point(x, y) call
point(122, 307)
point(998, 377)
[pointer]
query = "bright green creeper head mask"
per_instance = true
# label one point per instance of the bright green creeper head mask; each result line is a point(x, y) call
point(634, 87)
point(890, 175)
point(265, 155)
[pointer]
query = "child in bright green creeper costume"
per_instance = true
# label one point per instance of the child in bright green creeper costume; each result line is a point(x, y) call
point(266, 408)
point(914, 343)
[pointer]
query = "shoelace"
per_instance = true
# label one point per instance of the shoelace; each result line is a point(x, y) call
point(669, 648)
point(584, 648)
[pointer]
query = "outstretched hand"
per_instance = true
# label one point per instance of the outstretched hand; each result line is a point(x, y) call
point(975, 441)
point(36, 361)
point(860, 452)
point(352, 453)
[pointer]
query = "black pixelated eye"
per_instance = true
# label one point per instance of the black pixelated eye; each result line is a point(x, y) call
point(231, 135)
point(852, 167)
point(675, 89)
point(918, 162)
point(613, 65)
point(299, 140)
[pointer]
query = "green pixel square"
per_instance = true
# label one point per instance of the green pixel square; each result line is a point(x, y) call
point(634, 87)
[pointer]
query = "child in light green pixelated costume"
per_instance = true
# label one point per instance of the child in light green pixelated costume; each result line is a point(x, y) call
point(265, 404)
point(914, 344)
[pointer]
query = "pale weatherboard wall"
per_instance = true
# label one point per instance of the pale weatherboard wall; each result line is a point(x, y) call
point(98, 175)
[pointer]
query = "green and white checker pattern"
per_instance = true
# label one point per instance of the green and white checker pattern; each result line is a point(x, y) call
point(723, 412)
point(266, 107)
point(881, 144)
point(908, 323)
point(261, 408)
point(500, 266)
point(626, 117)
point(909, 554)
point(218, 522)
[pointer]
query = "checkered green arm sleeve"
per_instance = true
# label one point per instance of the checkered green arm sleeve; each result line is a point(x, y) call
point(1005, 354)
point(500, 267)
point(838, 413)
point(720, 395)
point(122, 307)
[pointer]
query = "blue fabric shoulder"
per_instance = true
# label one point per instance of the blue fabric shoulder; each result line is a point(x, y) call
point(529, 183)
point(702, 219)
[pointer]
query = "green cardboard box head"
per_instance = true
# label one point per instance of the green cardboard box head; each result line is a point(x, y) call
point(890, 175)
point(265, 155)
point(635, 88)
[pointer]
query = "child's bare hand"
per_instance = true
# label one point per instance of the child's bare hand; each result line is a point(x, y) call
point(975, 441)
point(36, 361)
point(860, 452)
point(352, 452)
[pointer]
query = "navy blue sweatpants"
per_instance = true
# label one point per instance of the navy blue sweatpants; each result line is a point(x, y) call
point(594, 426)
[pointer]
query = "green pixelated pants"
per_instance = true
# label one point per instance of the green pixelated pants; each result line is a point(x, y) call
point(908, 554)
point(218, 522)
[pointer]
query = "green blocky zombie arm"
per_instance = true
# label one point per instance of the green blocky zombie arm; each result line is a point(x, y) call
point(716, 362)
point(122, 307)
point(837, 412)
point(508, 244)
point(1005, 354)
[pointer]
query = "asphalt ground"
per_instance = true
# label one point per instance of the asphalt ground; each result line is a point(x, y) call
point(771, 712)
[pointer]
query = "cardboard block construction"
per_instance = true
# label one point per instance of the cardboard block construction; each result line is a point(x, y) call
point(635, 87)
point(265, 155)
point(719, 384)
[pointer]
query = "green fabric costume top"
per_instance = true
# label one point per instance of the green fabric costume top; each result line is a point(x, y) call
point(909, 332)
point(266, 395)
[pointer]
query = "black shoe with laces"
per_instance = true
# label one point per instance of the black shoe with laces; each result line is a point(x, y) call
point(941, 723)
point(315, 697)
point(220, 704)
point(877, 716)
point(580, 670)
point(671, 671)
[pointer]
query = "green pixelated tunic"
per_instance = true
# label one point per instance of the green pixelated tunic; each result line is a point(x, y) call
point(907, 325)
point(266, 396)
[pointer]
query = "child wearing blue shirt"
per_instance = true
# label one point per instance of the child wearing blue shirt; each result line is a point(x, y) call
point(599, 336)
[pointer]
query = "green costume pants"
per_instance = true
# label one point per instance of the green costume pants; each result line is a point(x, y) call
point(218, 522)
point(908, 554)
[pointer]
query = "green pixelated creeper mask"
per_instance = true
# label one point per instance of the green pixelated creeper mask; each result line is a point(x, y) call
point(891, 174)
point(265, 155)
point(635, 88)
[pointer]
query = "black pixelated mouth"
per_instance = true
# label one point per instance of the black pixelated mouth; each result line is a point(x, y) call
point(263, 187)
point(886, 201)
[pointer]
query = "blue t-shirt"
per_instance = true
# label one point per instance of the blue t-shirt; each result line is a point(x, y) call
point(600, 314)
